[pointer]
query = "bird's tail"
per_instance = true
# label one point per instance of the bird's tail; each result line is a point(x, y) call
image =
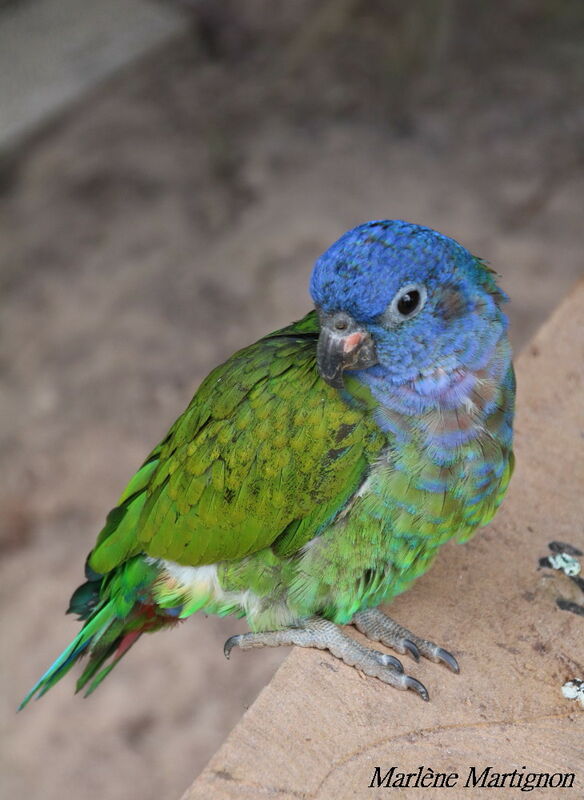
point(118, 609)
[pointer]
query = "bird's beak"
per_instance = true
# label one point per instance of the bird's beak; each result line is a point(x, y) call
point(339, 349)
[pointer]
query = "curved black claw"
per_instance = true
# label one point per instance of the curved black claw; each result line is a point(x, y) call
point(412, 683)
point(412, 649)
point(232, 642)
point(389, 661)
point(448, 659)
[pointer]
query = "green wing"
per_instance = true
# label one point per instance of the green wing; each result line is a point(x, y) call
point(265, 454)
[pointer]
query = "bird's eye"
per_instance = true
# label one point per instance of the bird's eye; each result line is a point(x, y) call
point(407, 303)
point(341, 323)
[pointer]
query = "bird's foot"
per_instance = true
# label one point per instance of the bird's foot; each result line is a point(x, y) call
point(325, 635)
point(380, 628)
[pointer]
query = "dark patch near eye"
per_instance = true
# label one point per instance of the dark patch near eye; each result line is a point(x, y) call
point(344, 430)
point(451, 303)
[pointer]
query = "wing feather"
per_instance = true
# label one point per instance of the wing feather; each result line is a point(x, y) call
point(266, 451)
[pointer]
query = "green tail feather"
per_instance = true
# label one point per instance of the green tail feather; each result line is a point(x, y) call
point(114, 623)
point(100, 619)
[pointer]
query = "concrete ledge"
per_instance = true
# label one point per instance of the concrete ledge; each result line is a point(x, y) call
point(319, 729)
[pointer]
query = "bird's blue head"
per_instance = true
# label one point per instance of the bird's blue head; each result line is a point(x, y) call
point(404, 302)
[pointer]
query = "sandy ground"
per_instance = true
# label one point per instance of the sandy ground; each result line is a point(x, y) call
point(168, 219)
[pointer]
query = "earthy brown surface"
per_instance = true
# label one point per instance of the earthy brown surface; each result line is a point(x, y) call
point(173, 216)
point(318, 730)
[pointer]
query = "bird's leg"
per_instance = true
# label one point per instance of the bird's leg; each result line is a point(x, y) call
point(380, 628)
point(325, 635)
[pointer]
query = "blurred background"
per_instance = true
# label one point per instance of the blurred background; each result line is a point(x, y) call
point(168, 174)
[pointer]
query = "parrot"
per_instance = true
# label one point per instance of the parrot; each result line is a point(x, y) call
point(316, 473)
